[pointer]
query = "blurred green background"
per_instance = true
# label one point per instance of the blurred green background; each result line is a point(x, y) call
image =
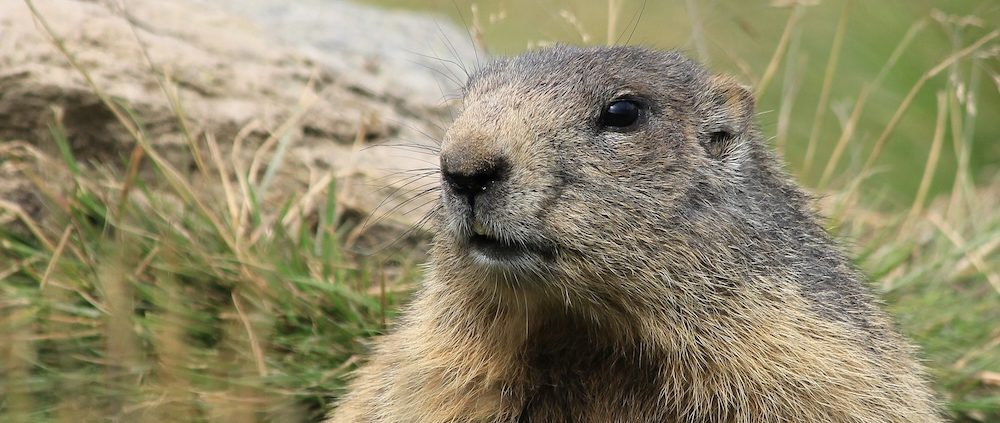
point(740, 38)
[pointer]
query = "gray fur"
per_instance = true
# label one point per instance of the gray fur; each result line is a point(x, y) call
point(675, 273)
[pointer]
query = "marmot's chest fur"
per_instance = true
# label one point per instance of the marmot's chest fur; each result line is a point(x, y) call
point(615, 243)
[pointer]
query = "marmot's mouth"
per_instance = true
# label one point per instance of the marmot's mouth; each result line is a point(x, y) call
point(502, 250)
point(496, 249)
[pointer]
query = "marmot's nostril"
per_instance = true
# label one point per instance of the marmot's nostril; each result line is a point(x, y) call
point(470, 183)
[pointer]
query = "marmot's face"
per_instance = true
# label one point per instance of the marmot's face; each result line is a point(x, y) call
point(566, 157)
point(561, 152)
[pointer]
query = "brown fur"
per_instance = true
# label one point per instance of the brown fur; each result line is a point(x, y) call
point(672, 273)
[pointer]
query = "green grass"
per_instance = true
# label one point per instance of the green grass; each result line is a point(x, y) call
point(145, 302)
point(741, 38)
point(157, 307)
point(144, 296)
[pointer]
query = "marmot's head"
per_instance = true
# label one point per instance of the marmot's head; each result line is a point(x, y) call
point(569, 163)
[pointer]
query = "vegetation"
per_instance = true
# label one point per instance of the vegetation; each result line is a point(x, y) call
point(138, 298)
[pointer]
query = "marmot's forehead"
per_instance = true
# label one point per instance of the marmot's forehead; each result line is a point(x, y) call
point(590, 68)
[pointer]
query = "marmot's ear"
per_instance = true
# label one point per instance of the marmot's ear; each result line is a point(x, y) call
point(728, 115)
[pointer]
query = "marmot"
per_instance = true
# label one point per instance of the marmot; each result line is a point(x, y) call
point(616, 243)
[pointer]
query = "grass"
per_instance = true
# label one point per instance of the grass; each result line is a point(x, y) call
point(143, 296)
point(884, 48)
point(158, 307)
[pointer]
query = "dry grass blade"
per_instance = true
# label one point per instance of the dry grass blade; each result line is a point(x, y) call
point(169, 90)
point(15, 361)
point(932, 158)
point(283, 137)
point(790, 88)
point(574, 22)
point(258, 352)
point(861, 102)
point(227, 186)
point(972, 256)
point(135, 160)
point(824, 95)
point(905, 104)
point(962, 139)
point(183, 188)
point(962, 362)
point(61, 46)
point(614, 13)
point(122, 346)
point(18, 266)
point(242, 217)
point(56, 255)
point(697, 31)
point(307, 201)
point(174, 178)
point(989, 378)
point(779, 52)
point(26, 219)
point(845, 136)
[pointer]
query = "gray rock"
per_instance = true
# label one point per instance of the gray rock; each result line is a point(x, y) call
point(313, 85)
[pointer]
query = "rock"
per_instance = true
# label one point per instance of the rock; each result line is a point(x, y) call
point(312, 85)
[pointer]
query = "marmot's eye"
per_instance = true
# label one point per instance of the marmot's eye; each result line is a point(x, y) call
point(621, 114)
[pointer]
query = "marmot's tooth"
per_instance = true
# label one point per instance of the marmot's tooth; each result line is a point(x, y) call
point(478, 227)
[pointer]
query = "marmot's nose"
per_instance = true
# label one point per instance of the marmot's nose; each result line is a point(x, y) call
point(471, 181)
